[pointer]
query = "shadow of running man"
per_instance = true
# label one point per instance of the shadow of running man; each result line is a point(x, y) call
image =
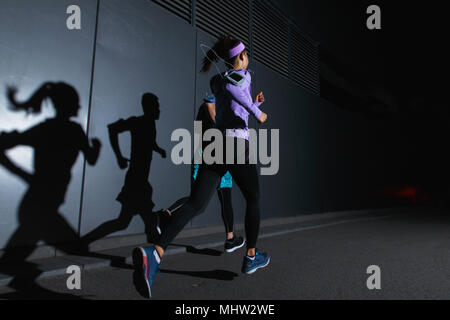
point(57, 143)
point(136, 194)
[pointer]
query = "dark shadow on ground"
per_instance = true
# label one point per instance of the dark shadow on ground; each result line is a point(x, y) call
point(222, 275)
point(193, 250)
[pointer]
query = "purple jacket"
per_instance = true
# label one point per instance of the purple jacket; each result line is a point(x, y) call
point(234, 103)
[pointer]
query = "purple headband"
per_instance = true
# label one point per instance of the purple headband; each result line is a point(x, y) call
point(236, 50)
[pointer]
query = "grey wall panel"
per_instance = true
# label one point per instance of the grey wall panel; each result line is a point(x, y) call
point(36, 46)
point(296, 189)
point(324, 151)
point(140, 48)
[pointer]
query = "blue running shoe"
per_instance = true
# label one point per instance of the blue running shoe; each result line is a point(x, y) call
point(261, 260)
point(146, 261)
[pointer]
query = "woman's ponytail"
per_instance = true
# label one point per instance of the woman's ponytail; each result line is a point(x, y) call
point(218, 51)
point(32, 105)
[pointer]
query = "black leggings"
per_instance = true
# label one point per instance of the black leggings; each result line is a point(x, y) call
point(208, 177)
point(226, 207)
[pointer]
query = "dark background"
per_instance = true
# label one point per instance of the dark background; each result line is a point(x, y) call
point(402, 71)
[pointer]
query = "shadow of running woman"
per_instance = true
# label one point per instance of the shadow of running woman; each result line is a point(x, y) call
point(56, 143)
point(136, 194)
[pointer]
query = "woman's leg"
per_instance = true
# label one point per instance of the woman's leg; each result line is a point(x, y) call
point(109, 227)
point(246, 177)
point(232, 242)
point(224, 195)
point(202, 191)
point(164, 216)
point(181, 202)
point(177, 205)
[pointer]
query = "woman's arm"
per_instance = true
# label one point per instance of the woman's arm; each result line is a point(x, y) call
point(91, 152)
point(8, 141)
point(14, 169)
point(113, 131)
point(211, 110)
point(242, 96)
point(159, 150)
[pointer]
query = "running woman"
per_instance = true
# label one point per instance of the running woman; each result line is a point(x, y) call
point(234, 105)
point(207, 115)
point(57, 143)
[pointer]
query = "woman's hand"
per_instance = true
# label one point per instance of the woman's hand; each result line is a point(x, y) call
point(260, 97)
point(11, 92)
point(262, 118)
point(163, 153)
point(11, 95)
point(122, 162)
point(92, 153)
point(96, 144)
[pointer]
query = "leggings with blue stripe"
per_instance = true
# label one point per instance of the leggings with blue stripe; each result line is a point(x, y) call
point(224, 195)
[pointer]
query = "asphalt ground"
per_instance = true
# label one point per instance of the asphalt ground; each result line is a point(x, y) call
point(320, 261)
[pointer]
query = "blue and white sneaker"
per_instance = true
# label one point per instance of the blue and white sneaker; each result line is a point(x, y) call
point(261, 260)
point(146, 261)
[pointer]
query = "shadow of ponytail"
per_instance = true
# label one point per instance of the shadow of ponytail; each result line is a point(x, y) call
point(32, 105)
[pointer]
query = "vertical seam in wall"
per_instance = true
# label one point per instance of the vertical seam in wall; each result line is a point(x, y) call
point(195, 93)
point(250, 27)
point(290, 52)
point(88, 115)
point(195, 71)
point(318, 69)
point(193, 13)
